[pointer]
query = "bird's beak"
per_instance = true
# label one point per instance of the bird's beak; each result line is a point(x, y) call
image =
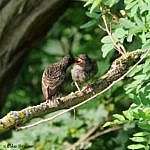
point(78, 60)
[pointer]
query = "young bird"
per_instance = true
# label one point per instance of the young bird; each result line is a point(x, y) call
point(83, 69)
point(53, 77)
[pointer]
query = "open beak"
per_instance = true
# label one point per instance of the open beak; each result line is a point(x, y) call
point(78, 60)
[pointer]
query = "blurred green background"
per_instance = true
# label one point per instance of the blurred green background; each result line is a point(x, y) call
point(27, 89)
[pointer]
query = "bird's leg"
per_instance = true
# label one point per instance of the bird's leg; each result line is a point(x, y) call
point(76, 84)
point(74, 114)
point(74, 110)
point(54, 98)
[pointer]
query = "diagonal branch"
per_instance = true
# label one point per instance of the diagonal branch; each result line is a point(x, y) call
point(119, 67)
point(83, 140)
point(86, 100)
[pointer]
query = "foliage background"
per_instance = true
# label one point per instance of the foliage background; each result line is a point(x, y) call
point(78, 23)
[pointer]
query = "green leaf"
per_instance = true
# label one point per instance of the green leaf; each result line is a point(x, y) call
point(141, 113)
point(141, 134)
point(143, 6)
point(136, 70)
point(95, 4)
point(146, 46)
point(147, 112)
point(145, 125)
point(88, 24)
point(142, 97)
point(127, 24)
point(106, 40)
point(128, 1)
point(88, 2)
point(108, 124)
point(134, 10)
point(137, 100)
point(130, 5)
point(140, 77)
point(146, 66)
point(53, 47)
point(136, 146)
point(129, 125)
point(143, 37)
point(119, 33)
point(116, 121)
point(106, 48)
point(119, 117)
point(129, 38)
point(138, 139)
point(92, 15)
point(128, 114)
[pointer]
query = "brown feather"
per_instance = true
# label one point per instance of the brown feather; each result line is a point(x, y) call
point(54, 76)
point(83, 69)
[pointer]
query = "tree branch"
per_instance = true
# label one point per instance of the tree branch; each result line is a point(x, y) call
point(119, 47)
point(118, 70)
point(83, 140)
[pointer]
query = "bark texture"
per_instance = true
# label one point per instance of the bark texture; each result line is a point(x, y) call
point(119, 67)
point(23, 23)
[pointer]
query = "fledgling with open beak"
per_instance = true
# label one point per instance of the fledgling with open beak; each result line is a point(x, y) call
point(83, 69)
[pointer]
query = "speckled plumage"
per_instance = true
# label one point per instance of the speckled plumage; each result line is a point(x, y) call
point(83, 69)
point(53, 77)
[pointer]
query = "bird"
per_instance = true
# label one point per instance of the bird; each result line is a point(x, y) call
point(53, 76)
point(83, 68)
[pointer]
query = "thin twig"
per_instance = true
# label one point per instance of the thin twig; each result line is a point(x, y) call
point(106, 131)
point(84, 138)
point(110, 35)
point(90, 133)
point(87, 135)
point(101, 27)
point(87, 100)
point(110, 28)
point(120, 48)
point(92, 137)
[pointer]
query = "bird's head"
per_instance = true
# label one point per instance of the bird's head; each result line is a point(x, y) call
point(82, 59)
point(67, 61)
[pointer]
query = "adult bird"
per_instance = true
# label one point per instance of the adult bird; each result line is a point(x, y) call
point(83, 69)
point(53, 77)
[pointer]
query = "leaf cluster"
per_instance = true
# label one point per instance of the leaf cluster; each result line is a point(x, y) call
point(129, 22)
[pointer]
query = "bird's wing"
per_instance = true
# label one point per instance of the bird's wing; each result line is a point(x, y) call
point(51, 80)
